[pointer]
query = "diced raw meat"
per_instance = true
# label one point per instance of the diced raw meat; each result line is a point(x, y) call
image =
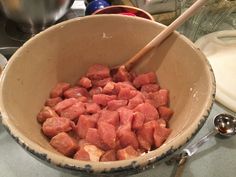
point(81, 154)
point(122, 75)
point(120, 85)
point(111, 117)
point(64, 144)
point(161, 122)
point(74, 111)
point(127, 153)
point(109, 156)
point(76, 92)
point(82, 143)
point(150, 88)
point(45, 113)
point(138, 120)
point(52, 102)
point(65, 104)
point(126, 117)
point(144, 79)
point(95, 91)
point(135, 101)
point(145, 135)
point(58, 90)
point(103, 99)
point(102, 82)
point(93, 137)
point(126, 138)
point(84, 123)
point(160, 98)
point(109, 88)
point(126, 93)
point(160, 135)
point(98, 71)
point(107, 133)
point(165, 112)
point(85, 82)
point(115, 104)
point(92, 108)
point(83, 99)
point(148, 110)
point(54, 125)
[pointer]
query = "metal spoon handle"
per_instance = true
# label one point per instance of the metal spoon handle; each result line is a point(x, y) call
point(192, 148)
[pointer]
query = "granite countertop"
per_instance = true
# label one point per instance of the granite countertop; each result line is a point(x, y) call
point(215, 159)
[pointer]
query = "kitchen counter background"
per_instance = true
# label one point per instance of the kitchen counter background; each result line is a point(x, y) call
point(215, 159)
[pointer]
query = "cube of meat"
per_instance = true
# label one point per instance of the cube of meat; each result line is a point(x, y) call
point(127, 153)
point(89, 153)
point(111, 117)
point(115, 104)
point(148, 110)
point(126, 117)
point(120, 85)
point(109, 88)
point(59, 89)
point(74, 111)
point(128, 138)
point(103, 99)
point(98, 71)
point(122, 75)
point(160, 134)
point(138, 120)
point(64, 104)
point(45, 113)
point(101, 82)
point(136, 100)
point(54, 125)
point(64, 144)
point(93, 137)
point(150, 88)
point(84, 123)
point(76, 92)
point(109, 155)
point(107, 133)
point(85, 82)
point(165, 112)
point(126, 93)
point(144, 79)
point(52, 102)
point(160, 98)
point(92, 108)
point(95, 91)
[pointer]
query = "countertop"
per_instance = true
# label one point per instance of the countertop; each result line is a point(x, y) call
point(215, 159)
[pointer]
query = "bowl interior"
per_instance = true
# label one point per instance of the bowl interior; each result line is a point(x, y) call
point(65, 51)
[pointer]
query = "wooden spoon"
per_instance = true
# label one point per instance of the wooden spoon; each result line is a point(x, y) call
point(161, 36)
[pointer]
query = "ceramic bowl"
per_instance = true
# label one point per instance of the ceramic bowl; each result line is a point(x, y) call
point(65, 51)
point(125, 10)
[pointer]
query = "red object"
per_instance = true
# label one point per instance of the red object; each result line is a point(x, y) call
point(109, 156)
point(138, 120)
point(74, 111)
point(115, 104)
point(107, 133)
point(148, 110)
point(98, 71)
point(150, 88)
point(165, 113)
point(52, 102)
point(92, 108)
point(103, 99)
point(76, 92)
point(58, 90)
point(46, 113)
point(144, 79)
point(101, 82)
point(127, 153)
point(65, 104)
point(128, 13)
point(85, 82)
point(111, 117)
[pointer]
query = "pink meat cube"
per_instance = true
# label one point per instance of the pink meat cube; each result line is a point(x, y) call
point(45, 113)
point(101, 82)
point(95, 91)
point(160, 98)
point(161, 122)
point(109, 88)
point(126, 93)
point(98, 71)
point(84, 123)
point(138, 120)
point(160, 134)
point(115, 104)
point(81, 154)
point(111, 117)
point(107, 133)
point(65, 104)
point(127, 153)
point(76, 92)
point(93, 137)
point(165, 112)
point(126, 117)
point(120, 85)
point(148, 110)
point(128, 138)
point(54, 125)
point(150, 88)
point(109, 156)
point(58, 90)
point(64, 144)
point(122, 75)
point(74, 111)
point(52, 102)
point(144, 79)
point(85, 82)
point(103, 99)
point(92, 108)
point(136, 100)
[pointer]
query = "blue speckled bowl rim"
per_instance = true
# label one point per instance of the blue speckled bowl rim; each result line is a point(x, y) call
point(121, 167)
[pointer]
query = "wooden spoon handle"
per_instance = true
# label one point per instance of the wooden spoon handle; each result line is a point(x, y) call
point(164, 34)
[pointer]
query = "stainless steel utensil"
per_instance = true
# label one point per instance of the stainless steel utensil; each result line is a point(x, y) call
point(33, 16)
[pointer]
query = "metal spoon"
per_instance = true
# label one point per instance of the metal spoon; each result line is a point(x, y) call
point(225, 125)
